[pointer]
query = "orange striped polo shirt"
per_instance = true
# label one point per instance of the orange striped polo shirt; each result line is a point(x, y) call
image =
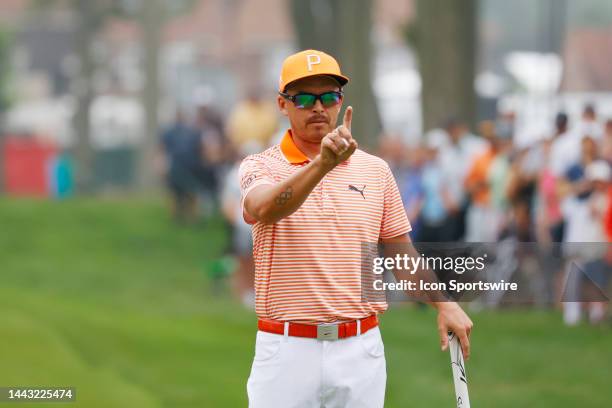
point(308, 265)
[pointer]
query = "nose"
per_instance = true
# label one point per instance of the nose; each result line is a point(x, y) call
point(318, 107)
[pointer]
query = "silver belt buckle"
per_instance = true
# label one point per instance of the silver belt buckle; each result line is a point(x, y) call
point(327, 332)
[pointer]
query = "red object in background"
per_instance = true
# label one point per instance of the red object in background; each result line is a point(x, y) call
point(608, 226)
point(25, 166)
point(608, 216)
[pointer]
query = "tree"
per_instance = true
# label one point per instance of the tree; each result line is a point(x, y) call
point(342, 28)
point(444, 35)
point(90, 17)
point(151, 18)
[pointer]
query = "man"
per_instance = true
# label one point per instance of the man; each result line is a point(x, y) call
point(565, 149)
point(486, 182)
point(252, 121)
point(182, 145)
point(437, 202)
point(313, 200)
point(588, 124)
point(456, 153)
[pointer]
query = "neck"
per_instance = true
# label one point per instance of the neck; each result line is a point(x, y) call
point(310, 149)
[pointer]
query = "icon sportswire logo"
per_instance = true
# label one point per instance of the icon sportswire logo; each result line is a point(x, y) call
point(352, 187)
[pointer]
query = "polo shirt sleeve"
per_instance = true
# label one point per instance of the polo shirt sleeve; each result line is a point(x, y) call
point(394, 220)
point(253, 172)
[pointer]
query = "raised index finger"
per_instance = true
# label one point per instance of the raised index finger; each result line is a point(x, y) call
point(348, 117)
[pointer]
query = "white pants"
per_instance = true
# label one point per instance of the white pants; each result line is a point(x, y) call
point(296, 372)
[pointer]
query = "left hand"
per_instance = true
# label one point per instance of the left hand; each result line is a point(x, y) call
point(452, 318)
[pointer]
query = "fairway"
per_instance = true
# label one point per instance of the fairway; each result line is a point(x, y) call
point(110, 297)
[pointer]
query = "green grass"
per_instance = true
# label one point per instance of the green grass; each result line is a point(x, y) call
point(112, 298)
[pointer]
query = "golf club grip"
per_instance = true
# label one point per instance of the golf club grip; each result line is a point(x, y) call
point(459, 375)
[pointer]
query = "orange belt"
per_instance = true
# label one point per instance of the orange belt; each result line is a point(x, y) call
point(328, 331)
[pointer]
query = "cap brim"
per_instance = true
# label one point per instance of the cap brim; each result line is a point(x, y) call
point(342, 80)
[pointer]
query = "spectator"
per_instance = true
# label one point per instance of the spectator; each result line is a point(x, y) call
point(565, 147)
point(581, 225)
point(486, 183)
point(549, 219)
point(456, 157)
point(588, 125)
point(436, 201)
point(521, 194)
point(585, 210)
point(547, 224)
point(543, 158)
point(253, 120)
point(214, 153)
point(182, 145)
point(598, 271)
point(393, 151)
point(606, 143)
point(406, 165)
point(410, 184)
point(574, 177)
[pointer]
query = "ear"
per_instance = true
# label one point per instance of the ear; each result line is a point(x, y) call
point(282, 105)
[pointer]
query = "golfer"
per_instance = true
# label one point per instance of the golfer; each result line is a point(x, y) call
point(313, 200)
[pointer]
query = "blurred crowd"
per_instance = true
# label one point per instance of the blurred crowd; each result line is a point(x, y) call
point(555, 194)
point(457, 186)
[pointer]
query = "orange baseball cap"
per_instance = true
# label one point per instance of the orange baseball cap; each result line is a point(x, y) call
point(309, 63)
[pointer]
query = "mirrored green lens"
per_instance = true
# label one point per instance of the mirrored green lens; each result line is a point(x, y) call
point(330, 99)
point(304, 100)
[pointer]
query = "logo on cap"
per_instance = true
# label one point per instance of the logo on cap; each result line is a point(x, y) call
point(312, 59)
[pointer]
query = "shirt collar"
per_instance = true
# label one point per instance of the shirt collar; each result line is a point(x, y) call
point(292, 153)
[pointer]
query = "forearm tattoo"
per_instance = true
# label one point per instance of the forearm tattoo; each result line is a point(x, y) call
point(284, 196)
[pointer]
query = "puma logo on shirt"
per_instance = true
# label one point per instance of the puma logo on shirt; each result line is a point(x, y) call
point(352, 187)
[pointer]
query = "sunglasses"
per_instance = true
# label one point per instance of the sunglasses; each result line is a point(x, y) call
point(305, 100)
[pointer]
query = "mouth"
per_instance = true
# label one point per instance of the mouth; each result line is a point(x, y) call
point(317, 121)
